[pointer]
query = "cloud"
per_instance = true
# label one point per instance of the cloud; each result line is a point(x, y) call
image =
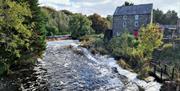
point(107, 7)
point(63, 2)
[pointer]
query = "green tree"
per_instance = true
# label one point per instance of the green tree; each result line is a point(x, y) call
point(109, 18)
point(80, 25)
point(14, 32)
point(150, 38)
point(56, 19)
point(171, 17)
point(126, 3)
point(168, 18)
point(38, 21)
point(158, 16)
point(122, 45)
point(22, 32)
point(52, 30)
point(99, 24)
point(67, 12)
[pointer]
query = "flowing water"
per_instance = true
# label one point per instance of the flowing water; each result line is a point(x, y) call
point(73, 68)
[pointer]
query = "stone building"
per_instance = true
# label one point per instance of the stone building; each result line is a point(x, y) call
point(178, 27)
point(169, 31)
point(131, 17)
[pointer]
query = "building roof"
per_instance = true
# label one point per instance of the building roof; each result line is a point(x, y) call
point(170, 27)
point(134, 9)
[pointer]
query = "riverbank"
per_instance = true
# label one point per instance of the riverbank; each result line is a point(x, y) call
point(27, 78)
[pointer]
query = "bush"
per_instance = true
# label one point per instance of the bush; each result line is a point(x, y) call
point(90, 40)
point(137, 52)
point(123, 46)
point(95, 43)
point(123, 64)
point(150, 38)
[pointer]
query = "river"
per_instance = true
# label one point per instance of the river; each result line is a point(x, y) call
point(68, 67)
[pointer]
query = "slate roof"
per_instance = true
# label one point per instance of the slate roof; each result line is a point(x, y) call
point(168, 27)
point(134, 9)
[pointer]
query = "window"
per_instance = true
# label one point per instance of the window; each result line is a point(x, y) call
point(117, 34)
point(136, 24)
point(124, 17)
point(136, 17)
point(124, 24)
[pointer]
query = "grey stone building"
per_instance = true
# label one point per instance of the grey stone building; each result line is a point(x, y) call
point(131, 18)
point(169, 31)
point(178, 27)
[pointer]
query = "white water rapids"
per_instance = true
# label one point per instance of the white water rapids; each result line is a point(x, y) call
point(109, 61)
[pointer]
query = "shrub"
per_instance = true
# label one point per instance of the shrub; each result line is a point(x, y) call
point(91, 40)
point(123, 64)
point(137, 52)
point(87, 41)
point(123, 46)
point(150, 38)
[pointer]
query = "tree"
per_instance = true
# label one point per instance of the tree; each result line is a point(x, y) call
point(99, 24)
point(128, 3)
point(150, 38)
point(38, 43)
point(56, 20)
point(67, 12)
point(168, 18)
point(80, 25)
point(171, 17)
point(158, 16)
point(14, 32)
point(22, 32)
point(110, 20)
point(52, 30)
point(122, 45)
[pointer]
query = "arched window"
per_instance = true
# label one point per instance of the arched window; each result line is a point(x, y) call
point(125, 17)
point(124, 24)
point(136, 17)
point(136, 23)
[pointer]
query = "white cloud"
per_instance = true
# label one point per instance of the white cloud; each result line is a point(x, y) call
point(106, 7)
point(63, 2)
point(90, 3)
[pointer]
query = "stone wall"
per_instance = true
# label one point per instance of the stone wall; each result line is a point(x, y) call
point(178, 28)
point(118, 21)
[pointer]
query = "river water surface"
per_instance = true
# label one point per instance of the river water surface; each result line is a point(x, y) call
point(68, 67)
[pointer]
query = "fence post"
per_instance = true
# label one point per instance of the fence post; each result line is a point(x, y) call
point(159, 63)
point(173, 73)
point(178, 85)
point(165, 69)
point(161, 73)
point(155, 69)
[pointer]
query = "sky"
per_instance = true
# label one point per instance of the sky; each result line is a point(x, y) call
point(106, 7)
